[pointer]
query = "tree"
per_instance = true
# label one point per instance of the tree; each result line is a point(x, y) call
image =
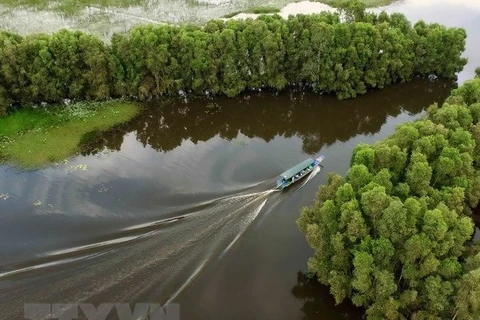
point(419, 174)
point(318, 52)
point(352, 10)
point(394, 236)
point(4, 102)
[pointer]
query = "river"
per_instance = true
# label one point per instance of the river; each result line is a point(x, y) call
point(177, 206)
point(181, 198)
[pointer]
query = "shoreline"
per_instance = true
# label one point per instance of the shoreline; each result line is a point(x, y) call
point(35, 138)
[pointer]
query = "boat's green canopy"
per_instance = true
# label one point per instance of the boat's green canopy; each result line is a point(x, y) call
point(299, 167)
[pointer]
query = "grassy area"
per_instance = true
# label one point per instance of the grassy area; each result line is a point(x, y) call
point(368, 3)
point(34, 138)
point(256, 10)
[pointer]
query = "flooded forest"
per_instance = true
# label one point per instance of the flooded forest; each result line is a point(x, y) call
point(173, 200)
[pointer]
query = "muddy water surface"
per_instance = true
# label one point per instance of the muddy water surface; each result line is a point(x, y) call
point(178, 206)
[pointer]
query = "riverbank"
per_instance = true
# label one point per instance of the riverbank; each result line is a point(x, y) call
point(157, 61)
point(33, 138)
point(423, 178)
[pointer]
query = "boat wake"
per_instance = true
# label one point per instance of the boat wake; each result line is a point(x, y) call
point(150, 261)
point(310, 176)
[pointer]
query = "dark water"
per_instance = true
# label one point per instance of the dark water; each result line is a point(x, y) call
point(476, 218)
point(177, 206)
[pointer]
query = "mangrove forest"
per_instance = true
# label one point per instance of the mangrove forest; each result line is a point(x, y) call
point(395, 235)
point(344, 54)
point(180, 131)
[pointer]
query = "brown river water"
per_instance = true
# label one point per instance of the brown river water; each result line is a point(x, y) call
point(177, 206)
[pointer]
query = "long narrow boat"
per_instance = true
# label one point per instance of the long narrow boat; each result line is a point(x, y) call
point(298, 172)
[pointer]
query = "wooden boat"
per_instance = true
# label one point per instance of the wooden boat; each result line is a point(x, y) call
point(298, 172)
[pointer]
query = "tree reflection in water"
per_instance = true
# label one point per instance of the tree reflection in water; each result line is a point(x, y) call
point(319, 303)
point(476, 218)
point(316, 119)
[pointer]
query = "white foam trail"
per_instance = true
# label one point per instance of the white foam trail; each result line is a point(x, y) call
point(230, 245)
point(194, 274)
point(251, 196)
point(243, 196)
point(310, 176)
point(48, 264)
point(144, 225)
point(158, 222)
point(252, 218)
point(175, 219)
point(91, 246)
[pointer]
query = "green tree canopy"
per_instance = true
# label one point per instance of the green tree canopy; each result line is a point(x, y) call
point(322, 52)
point(395, 236)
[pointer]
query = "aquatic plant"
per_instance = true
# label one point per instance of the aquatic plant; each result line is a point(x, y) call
point(394, 236)
point(255, 10)
point(213, 107)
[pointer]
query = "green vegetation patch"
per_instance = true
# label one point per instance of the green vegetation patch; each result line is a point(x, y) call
point(32, 138)
point(367, 3)
point(255, 10)
point(395, 235)
point(231, 14)
point(263, 10)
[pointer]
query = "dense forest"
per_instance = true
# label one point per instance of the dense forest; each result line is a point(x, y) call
point(395, 235)
point(344, 54)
